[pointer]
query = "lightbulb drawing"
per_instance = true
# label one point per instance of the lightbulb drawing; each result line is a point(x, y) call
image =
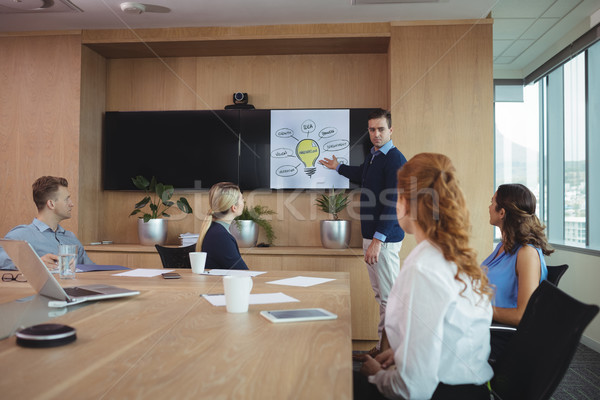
point(308, 151)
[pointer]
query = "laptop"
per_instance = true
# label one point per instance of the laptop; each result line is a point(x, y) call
point(40, 278)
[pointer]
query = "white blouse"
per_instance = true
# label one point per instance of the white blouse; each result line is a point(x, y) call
point(437, 333)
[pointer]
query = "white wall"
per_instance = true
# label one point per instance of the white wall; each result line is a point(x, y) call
point(582, 281)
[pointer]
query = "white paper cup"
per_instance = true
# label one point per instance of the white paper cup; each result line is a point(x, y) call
point(198, 260)
point(237, 293)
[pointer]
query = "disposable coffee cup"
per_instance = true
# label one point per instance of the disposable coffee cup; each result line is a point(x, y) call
point(198, 261)
point(237, 293)
point(67, 260)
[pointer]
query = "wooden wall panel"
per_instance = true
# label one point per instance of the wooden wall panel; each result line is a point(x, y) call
point(93, 100)
point(39, 109)
point(437, 80)
point(116, 224)
point(263, 263)
point(296, 222)
point(301, 81)
point(297, 81)
point(151, 84)
point(204, 83)
point(441, 99)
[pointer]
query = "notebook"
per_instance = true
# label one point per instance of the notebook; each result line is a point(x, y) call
point(41, 279)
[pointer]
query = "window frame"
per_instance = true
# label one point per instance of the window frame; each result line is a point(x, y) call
point(551, 201)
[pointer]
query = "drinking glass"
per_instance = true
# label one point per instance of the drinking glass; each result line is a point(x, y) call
point(67, 260)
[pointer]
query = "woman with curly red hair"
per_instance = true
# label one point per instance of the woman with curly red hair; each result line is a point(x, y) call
point(439, 310)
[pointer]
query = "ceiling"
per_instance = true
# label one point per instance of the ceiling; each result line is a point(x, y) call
point(526, 32)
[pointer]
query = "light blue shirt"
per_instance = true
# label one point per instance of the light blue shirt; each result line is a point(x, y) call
point(502, 274)
point(43, 240)
point(224, 225)
point(374, 153)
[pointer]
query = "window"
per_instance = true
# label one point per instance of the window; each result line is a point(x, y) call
point(575, 151)
point(517, 140)
point(544, 140)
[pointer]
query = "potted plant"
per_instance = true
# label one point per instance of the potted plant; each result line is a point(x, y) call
point(245, 226)
point(335, 233)
point(152, 228)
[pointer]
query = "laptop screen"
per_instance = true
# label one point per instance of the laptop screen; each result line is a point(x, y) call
point(31, 265)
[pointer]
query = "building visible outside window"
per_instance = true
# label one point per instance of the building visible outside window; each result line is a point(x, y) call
point(547, 135)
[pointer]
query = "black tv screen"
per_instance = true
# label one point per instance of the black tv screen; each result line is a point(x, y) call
point(196, 149)
point(186, 149)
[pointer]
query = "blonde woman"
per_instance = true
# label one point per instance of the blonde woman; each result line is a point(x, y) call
point(439, 312)
point(226, 202)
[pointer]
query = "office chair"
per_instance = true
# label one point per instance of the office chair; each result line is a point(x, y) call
point(555, 272)
point(175, 257)
point(539, 353)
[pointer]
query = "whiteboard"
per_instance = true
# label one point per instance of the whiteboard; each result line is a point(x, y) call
point(299, 139)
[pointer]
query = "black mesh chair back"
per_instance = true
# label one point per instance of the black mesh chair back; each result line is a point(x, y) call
point(539, 353)
point(555, 272)
point(175, 257)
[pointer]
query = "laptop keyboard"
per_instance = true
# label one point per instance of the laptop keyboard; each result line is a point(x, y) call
point(79, 292)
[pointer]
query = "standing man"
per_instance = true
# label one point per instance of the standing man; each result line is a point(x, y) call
point(382, 236)
point(53, 201)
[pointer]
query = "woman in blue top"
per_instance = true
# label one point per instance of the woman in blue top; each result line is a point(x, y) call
point(517, 266)
point(226, 202)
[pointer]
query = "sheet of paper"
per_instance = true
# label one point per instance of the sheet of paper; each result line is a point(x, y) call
point(145, 272)
point(302, 281)
point(258, 298)
point(233, 272)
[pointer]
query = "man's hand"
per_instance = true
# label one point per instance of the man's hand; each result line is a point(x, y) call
point(331, 164)
point(370, 366)
point(372, 253)
point(385, 358)
point(51, 261)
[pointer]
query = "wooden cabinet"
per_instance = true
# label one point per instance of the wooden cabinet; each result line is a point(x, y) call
point(364, 308)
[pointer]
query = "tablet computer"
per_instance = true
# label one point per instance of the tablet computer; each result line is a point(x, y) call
point(298, 315)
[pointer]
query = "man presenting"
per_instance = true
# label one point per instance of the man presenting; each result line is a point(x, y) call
point(53, 201)
point(382, 236)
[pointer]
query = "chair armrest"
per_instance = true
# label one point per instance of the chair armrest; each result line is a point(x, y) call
point(498, 327)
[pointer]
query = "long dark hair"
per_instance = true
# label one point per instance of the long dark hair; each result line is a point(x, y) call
point(520, 225)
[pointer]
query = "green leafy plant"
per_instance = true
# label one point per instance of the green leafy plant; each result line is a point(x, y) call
point(333, 203)
point(256, 214)
point(158, 198)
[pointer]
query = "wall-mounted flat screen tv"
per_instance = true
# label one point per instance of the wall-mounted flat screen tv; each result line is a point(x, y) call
point(257, 149)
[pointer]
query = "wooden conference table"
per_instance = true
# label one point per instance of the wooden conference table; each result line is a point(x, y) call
point(170, 343)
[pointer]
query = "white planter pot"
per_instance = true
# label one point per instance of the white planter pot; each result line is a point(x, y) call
point(152, 232)
point(246, 235)
point(336, 234)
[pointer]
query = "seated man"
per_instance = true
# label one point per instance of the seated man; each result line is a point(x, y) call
point(53, 200)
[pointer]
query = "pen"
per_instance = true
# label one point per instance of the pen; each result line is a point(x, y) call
point(212, 294)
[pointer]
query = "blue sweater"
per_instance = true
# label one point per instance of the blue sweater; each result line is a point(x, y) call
point(221, 249)
point(378, 179)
